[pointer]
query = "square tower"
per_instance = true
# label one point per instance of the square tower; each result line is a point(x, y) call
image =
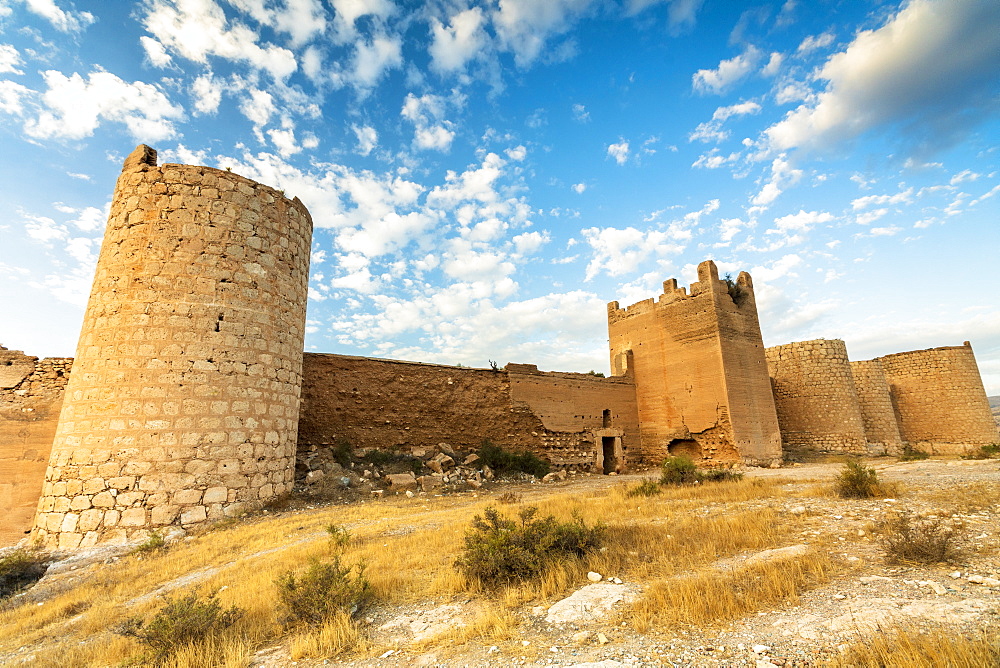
point(701, 378)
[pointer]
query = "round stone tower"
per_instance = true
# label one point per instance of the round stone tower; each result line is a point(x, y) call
point(184, 397)
point(939, 398)
point(815, 396)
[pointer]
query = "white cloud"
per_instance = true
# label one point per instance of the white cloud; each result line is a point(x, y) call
point(431, 130)
point(963, 176)
point(62, 20)
point(73, 107)
point(300, 19)
point(367, 138)
point(680, 13)
point(889, 231)
point(902, 197)
point(207, 94)
point(44, 230)
point(578, 188)
point(580, 113)
point(813, 42)
point(711, 131)
point(454, 45)
point(284, 139)
point(869, 217)
point(618, 251)
point(529, 242)
point(714, 160)
point(197, 29)
point(928, 68)
point(773, 65)
point(726, 74)
point(347, 13)
point(11, 96)
point(373, 59)
point(10, 59)
point(803, 221)
point(619, 152)
point(258, 107)
point(783, 176)
point(524, 26)
point(517, 153)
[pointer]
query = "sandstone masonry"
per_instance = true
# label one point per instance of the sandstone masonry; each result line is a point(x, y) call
point(183, 404)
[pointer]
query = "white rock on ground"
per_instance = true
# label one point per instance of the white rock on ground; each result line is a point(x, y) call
point(591, 603)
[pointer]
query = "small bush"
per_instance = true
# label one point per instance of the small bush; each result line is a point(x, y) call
point(911, 454)
point(500, 550)
point(154, 543)
point(504, 462)
point(647, 487)
point(322, 591)
point(342, 453)
point(991, 451)
point(925, 541)
point(736, 291)
point(180, 622)
point(857, 481)
point(509, 498)
point(679, 470)
point(720, 475)
point(20, 569)
point(339, 536)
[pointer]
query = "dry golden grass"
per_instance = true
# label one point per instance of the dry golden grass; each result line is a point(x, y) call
point(968, 498)
point(923, 649)
point(409, 546)
point(711, 596)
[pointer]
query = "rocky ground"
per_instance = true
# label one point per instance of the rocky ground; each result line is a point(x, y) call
point(867, 596)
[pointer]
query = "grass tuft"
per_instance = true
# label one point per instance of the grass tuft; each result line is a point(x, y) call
point(679, 470)
point(911, 454)
point(19, 569)
point(925, 541)
point(857, 481)
point(323, 591)
point(647, 487)
point(922, 648)
point(991, 451)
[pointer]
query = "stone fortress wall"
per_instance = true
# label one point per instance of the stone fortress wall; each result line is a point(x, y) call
point(390, 404)
point(697, 358)
point(940, 400)
point(815, 396)
point(183, 403)
point(31, 394)
point(875, 402)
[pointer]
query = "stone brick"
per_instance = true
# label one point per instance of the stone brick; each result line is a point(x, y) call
point(216, 495)
point(194, 514)
point(187, 497)
point(133, 517)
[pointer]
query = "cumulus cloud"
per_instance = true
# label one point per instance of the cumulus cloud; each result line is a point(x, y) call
point(372, 59)
point(12, 95)
point(680, 13)
point(197, 29)
point(432, 131)
point(62, 20)
point(619, 152)
point(300, 19)
point(524, 26)
point(578, 188)
point(580, 113)
point(207, 94)
point(902, 197)
point(73, 107)
point(347, 13)
point(455, 44)
point(367, 138)
point(930, 70)
point(10, 59)
point(726, 74)
point(783, 176)
point(813, 42)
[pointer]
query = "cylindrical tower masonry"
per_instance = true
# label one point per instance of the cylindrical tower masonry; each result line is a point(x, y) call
point(881, 428)
point(940, 399)
point(815, 397)
point(184, 397)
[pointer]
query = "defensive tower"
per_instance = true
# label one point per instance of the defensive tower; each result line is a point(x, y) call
point(184, 398)
point(701, 378)
point(875, 401)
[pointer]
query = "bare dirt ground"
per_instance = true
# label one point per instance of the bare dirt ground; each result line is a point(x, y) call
point(866, 597)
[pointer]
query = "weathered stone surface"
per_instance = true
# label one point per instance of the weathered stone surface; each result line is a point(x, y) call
point(777, 554)
point(591, 603)
point(400, 482)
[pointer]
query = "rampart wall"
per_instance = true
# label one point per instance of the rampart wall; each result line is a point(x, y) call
point(875, 402)
point(940, 400)
point(815, 396)
point(389, 404)
point(698, 363)
point(183, 402)
point(31, 393)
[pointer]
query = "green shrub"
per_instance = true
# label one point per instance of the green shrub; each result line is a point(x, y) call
point(504, 462)
point(500, 550)
point(20, 569)
point(180, 622)
point(857, 481)
point(925, 541)
point(991, 451)
point(647, 487)
point(720, 475)
point(911, 454)
point(154, 543)
point(736, 291)
point(679, 470)
point(339, 536)
point(324, 589)
point(342, 453)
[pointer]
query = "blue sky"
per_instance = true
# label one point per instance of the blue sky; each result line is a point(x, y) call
point(485, 176)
